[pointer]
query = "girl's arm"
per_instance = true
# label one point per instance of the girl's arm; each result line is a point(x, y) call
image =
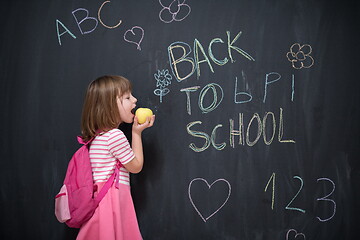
point(135, 165)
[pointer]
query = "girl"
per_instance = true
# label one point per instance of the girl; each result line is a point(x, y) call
point(108, 103)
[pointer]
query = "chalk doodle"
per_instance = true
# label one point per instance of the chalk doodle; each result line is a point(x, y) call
point(299, 56)
point(292, 234)
point(177, 10)
point(134, 35)
point(204, 218)
point(163, 79)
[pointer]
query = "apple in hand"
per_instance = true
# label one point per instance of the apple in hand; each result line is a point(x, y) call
point(142, 114)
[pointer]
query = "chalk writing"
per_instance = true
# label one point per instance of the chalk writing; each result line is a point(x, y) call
point(266, 141)
point(268, 81)
point(325, 199)
point(292, 234)
point(87, 25)
point(273, 189)
point(261, 130)
point(62, 33)
point(219, 146)
point(177, 10)
point(163, 79)
point(188, 102)
point(179, 63)
point(299, 56)
point(209, 186)
point(217, 96)
point(86, 18)
point(216, 61)
point(216, 101)
point(301, 186)
point(134, 35)
point(277, 78)
point(236, 94)
point(239, 50)
point(208, 140)
point(186, 50)
point(328, 200)
point(197, 47)
point(99, 17)
point(239, 132)
point(78, 21)
point(241, 97)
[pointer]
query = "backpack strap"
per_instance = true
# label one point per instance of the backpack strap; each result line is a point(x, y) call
point(81, 141)
point(110, 181)
point(114, 176)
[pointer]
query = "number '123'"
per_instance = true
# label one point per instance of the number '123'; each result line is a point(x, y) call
point(289, 206)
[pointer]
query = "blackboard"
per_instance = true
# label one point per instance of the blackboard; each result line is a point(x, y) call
point(256, 103)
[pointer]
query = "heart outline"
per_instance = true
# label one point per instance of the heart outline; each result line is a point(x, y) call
point(296, 234)
point(209, 186)
point(134, 34)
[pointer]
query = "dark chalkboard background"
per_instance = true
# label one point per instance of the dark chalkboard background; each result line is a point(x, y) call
point(307, 188)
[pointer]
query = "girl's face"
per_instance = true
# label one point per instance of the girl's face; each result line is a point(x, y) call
point(126, 105)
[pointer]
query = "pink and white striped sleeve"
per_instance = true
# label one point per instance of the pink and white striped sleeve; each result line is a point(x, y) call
point(120, 147)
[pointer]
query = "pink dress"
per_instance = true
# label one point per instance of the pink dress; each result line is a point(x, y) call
point(115, 218)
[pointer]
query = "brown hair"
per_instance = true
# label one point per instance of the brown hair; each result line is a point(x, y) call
point(100, 110)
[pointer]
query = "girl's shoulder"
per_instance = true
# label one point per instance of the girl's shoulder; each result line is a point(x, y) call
point(115, 131)
point(111, 136)
point(112, 133)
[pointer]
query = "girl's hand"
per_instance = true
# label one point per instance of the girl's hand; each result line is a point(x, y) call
point(138, 128)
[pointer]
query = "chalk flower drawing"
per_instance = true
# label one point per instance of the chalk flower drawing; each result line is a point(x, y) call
point(163, 79)
point(299, 56)
point(208, 186)
point(174, 10)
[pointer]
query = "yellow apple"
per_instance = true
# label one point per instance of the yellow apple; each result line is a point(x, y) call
point(142, 114)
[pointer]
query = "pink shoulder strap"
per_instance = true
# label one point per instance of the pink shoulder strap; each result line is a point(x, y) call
point(81, 141)
point(106, 187)
point(114, 176)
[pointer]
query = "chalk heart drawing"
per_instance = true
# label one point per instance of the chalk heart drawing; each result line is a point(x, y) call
point(134, 35)
point(204, 218)
point(292, 234)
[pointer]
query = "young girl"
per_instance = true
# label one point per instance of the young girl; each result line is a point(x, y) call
point(108, 103)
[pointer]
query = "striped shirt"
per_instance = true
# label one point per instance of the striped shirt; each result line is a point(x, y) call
point(104, 150)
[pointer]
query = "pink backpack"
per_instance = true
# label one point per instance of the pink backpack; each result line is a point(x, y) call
point(75, 203)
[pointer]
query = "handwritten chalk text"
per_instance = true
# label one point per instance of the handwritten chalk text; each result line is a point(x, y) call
point(326, 201)
point(243, 132)
point(87, 24)
point(183, 65)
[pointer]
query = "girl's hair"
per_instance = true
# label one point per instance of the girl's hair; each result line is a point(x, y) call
point(100, 110)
